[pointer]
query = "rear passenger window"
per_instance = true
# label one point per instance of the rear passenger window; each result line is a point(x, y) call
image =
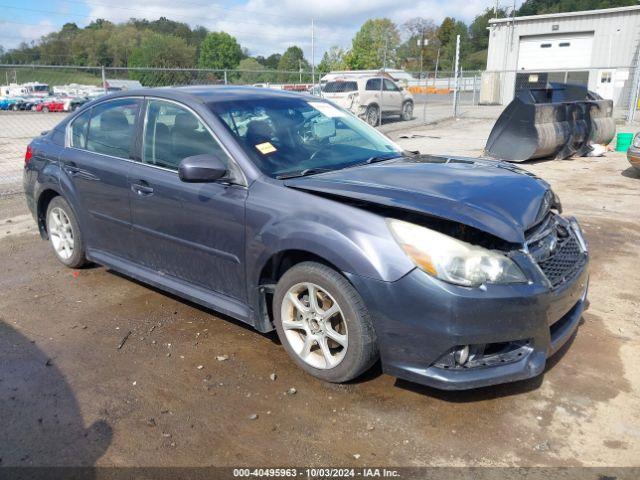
point(173, 133)
point(79, 130)
point(112, 127)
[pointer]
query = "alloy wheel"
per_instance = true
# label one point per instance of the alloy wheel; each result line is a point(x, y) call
point(61, 233)
point(314, 325)
point(407, 111)
point(372, 116)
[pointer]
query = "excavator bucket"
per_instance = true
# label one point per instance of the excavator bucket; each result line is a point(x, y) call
point(557, 121)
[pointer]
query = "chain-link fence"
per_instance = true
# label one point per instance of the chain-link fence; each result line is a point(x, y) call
point(34, 98)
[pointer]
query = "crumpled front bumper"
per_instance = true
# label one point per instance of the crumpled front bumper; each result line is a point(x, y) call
point(418, 319)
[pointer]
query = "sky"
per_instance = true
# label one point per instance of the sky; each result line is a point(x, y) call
point(261, 26)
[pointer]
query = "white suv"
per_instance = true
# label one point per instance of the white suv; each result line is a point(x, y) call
point(363, 96)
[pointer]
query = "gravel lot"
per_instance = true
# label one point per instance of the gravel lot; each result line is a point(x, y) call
point(69, 396)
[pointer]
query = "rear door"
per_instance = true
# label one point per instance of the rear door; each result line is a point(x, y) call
point(96, 164)
point(341, 92)
point(190, 231)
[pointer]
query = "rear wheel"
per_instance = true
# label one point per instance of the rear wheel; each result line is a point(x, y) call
point(45, 109)
point(372, 115)
point(323, 323)
point(64, 233)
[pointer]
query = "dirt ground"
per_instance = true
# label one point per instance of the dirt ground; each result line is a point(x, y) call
point(70, 396)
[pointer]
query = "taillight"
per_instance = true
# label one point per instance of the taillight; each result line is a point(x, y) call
point(28, 154)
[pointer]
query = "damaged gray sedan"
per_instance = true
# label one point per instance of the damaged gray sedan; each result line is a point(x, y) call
point(289, 213)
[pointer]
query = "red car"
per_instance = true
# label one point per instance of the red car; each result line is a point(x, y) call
point(51, 106)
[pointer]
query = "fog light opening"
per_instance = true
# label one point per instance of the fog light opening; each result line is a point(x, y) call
point(461, 355)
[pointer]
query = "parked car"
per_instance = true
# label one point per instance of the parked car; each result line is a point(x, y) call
point(633, 154)
point(73, 103)
point(30, 103)
point(364, 97)
point(10, 103)
point(51, 105)
point(454, 272)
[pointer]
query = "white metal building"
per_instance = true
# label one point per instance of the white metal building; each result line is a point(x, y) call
point(597, 48)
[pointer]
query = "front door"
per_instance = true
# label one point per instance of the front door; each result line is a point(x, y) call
point(190, 231)
point(96, 165)
point(392, 97)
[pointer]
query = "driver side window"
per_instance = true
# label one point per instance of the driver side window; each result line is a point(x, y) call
point(390, 86)
point(173, 133)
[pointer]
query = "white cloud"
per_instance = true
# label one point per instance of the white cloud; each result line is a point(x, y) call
point(17, 33)
point(267, 26)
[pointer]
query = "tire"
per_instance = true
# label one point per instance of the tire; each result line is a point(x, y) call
point(371, 115)
point(45, 109)
point(351, 324)
point(65, 231)
point(407, 111)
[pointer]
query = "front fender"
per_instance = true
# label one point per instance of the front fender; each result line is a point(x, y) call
point(352, 239)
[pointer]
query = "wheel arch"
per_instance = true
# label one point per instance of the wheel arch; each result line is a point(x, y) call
point(270, 273)
point(44, 199)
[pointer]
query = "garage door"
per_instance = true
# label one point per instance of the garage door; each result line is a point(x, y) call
point(547, 52)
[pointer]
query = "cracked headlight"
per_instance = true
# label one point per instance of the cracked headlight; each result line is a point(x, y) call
point(453, 260)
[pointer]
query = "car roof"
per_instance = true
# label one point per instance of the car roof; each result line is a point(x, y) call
point(208, 93)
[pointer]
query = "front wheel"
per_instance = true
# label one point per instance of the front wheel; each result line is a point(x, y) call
point(64, 233)
point(323, 323)
point(407, 111)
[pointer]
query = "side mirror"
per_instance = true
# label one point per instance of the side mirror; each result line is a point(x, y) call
point(201, 169)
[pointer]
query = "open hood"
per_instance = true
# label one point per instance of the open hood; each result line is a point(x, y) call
point(495, 197)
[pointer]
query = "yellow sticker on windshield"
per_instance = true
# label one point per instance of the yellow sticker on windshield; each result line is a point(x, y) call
point(265, 148)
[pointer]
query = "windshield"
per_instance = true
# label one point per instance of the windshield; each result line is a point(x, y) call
point(340, 87)
point(287, 136)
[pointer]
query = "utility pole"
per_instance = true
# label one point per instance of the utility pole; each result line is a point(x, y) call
point(104, 80)
point(382, 76)
point(421, 50)
point(313, 55)
point(456, 80)
point(435, 75)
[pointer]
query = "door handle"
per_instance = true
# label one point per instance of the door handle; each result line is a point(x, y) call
point(71, 169)
point(141, 189)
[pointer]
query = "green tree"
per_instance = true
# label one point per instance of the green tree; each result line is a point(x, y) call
point(369, 45)
point(409, 52)
point(448, 49)
point(165, 51)
point(55, 48)
point(538, 7)
point(251, 71)
point(333, 59)
point(479, 31)
point(89, 46)
point(219, 50)
point(292, 61)
point(445, 31)
point(121, 45)
point(272, 61)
